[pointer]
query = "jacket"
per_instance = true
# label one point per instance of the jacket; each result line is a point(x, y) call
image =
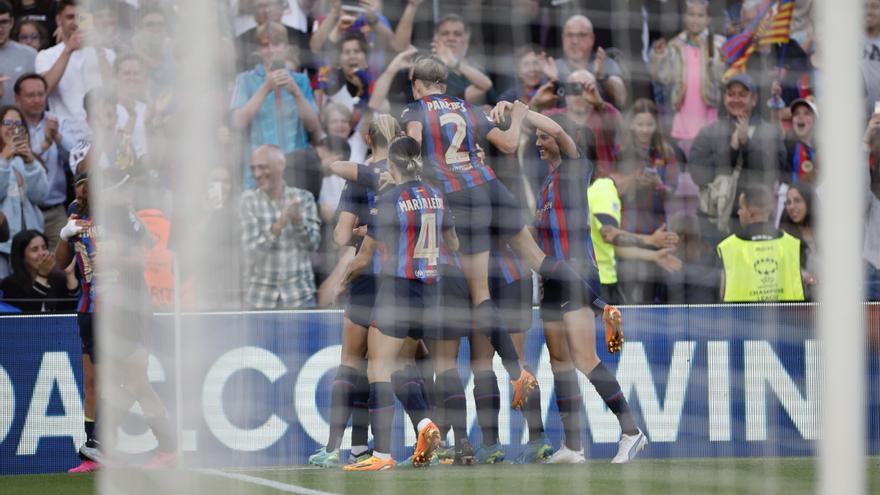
point(670, 69)
point(17, 203)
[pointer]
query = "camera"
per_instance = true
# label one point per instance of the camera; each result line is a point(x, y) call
point(563, 89)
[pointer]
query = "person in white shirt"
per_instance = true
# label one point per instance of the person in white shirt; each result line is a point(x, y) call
point(69, 67)
point(15, 59)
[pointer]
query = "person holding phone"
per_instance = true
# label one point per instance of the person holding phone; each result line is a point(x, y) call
point(23, 182)
point(364, 16)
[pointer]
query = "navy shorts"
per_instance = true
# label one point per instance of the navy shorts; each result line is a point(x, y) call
point(87, 335)
point(119, 344)
point(403, 307)
point(361, 300)
point(558, 298)
point(482, 211)
point(514, 302)
point(451, 319)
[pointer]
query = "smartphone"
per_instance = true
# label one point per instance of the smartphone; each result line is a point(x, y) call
point(877, 107)
point(353, 7)
point(86, 21)
point(18, 132)
point(278, 65)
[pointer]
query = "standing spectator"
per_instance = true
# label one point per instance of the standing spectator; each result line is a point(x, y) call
point(69, 67)
point(741, 140)
point(23, 183)
point(871, 244)
point(15, 59)
point(34, 286)
point(800, 148)
point(368, 20)
point(452, 38)
point(534, 68)
point(348, 81)
point(41, 11)
point(152, 43)
point(332, 148)
point(293, 14)
point(280, 230)
point(337, 120)
point(265, 11)
point(32, 34)
point(689, 67)
point(797, 220)
point(761, 263)
point(580, 53)
point(131, 108)
point(51, 140)
point(871, 54)
point(272, 101)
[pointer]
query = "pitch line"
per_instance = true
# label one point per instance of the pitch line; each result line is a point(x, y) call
point(277, 485)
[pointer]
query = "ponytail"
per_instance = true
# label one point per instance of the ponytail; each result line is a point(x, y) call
point(405, 154)
point(382, 130)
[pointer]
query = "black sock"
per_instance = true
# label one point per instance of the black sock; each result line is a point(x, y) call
point(409, 393)
point(568, 398)
point(89, 425)
point(532, 412)
point(340, 404)
point(454, 403)
point(360, 411)
point(609, 389)
point(488, 400)
point(425, 366)
point(488, 320)
point(553, 269)
point(381, 415)
point(164, 431)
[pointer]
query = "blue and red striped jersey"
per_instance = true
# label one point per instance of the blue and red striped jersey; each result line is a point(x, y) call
point(83, 247)
point(360, 198)
point(451, 129)
point(410, 223)
point(505, 265)
point(562, 221)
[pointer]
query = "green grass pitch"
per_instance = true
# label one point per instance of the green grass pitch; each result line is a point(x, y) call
point(647, 476)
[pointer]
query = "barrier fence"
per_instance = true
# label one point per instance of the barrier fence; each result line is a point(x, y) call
point(711, 381)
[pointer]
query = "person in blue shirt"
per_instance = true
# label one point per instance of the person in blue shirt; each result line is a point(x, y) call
point(273, 102)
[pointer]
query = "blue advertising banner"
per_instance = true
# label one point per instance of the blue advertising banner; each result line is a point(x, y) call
point(703, 381)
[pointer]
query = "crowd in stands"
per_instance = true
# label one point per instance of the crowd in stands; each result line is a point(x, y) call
point(704, 153)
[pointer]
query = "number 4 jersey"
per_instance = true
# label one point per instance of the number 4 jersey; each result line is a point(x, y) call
point(451, 129)
point(410, 223)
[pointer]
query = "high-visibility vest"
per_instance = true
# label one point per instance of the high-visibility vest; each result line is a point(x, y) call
point(159, 259)
point(757, 271)
point(603, 198)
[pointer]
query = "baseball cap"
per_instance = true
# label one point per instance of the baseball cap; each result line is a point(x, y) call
point(805, 101)
point(81, 177)
point(742, 78)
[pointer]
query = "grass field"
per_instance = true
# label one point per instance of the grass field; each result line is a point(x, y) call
point(650, 476)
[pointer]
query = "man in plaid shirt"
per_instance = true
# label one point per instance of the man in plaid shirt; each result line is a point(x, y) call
point(280, 230)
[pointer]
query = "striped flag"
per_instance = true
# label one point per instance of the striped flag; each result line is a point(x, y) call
point(779, 30)
point(771, 25)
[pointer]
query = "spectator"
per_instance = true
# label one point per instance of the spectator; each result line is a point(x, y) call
point(347, 82)
point(451, 42)
point(280, 230)
point(15, 59)
point(34, 286)
point(69, 67)
point(293, 14)
point(761, 263)
point(23, 183)
point(871, 245)
point(272, 101)
point(578, 44)
point(51, 138)
point(689, 68)
point(368, 20)
point(797, 220)
point(131, 107)
point(40, 11)
point(740, 140)
point(800, 148)
point(392, 91)
point(586, 108)
point(871, 54)
point(332, 149)
point(698, 281)
point(152, 44)
point(265, 11)
point(534, 68)
point(32, 34)
point(337, 120)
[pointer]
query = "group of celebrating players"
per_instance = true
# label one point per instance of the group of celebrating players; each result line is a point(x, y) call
point(442, 257)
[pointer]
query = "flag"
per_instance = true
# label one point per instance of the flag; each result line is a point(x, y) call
point(771, 25)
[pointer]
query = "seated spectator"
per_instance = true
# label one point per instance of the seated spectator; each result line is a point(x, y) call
point(35, 286)
point(272, 101)
point(348, 81)
point(23, 183)
point(760, 262)
point(367, 20)
point(580, 53)
point(689, 69)
point(280, 230)
point(797, 220)
point(16, 59)
point(32, 34)
point(800, 149)
point(740, 140)
point(265, 11)
point(337, 120)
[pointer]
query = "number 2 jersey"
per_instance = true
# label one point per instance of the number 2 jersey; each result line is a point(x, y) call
point(451, 129)
point(410, 222)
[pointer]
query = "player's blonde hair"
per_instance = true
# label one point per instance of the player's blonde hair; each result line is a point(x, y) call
point(383, 129)
point(405, 154)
